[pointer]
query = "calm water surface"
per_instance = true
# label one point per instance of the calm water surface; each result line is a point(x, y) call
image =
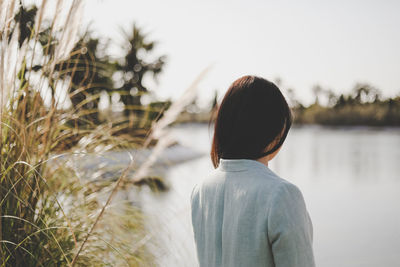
point(350, 180)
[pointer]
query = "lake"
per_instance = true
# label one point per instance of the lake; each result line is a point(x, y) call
point(350, 179)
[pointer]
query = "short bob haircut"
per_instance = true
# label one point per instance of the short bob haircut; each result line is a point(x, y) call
point(253, 121)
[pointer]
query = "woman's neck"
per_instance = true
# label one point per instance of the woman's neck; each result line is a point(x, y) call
point(264, 160)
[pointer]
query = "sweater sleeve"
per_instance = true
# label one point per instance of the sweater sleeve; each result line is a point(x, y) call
point(290, 229)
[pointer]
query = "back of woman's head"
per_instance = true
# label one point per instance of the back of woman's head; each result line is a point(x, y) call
point(253, 121)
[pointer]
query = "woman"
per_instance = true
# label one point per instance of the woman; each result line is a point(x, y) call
point(244, 214)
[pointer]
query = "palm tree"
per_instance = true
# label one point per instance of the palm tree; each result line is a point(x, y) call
point(90, 74)
point(134, 68)
point(365, 93)
point(317, 91)
point(25, 18)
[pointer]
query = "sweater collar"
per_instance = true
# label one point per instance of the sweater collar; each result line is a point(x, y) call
point(235, 165)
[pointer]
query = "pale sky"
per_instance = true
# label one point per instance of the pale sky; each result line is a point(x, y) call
point(331, 43)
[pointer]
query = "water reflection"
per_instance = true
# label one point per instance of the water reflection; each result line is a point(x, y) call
point(356, 155)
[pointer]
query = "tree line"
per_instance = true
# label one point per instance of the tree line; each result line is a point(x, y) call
point(362, 106)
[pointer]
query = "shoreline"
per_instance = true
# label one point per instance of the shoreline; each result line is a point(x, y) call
point(321, 126)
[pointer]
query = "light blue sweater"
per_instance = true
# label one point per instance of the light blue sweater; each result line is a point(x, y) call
point(244, 215)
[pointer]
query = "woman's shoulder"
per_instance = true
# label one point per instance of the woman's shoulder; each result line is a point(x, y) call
point(266, 178)
point(276, 188)
point(256, 181)
point(286, 189)
point(287, 196)
point(212, 180)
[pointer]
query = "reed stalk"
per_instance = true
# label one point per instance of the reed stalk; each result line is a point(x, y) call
point(49, 214)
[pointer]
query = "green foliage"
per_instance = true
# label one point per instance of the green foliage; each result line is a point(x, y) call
point(363, 106)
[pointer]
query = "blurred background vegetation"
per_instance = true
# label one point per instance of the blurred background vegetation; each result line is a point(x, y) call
point(363, 106)
point(52, 80)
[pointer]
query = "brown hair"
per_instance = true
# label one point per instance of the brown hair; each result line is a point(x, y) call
point(253, 115)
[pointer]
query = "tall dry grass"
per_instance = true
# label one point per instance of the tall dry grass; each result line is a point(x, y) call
point(49, 214)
